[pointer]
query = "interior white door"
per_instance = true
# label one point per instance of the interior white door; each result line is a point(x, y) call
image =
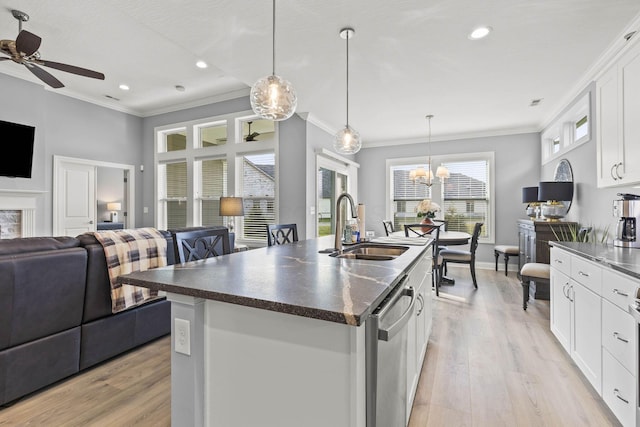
point(76, 187)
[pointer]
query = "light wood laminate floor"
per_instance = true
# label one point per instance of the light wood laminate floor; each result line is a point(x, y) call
point(488, 363)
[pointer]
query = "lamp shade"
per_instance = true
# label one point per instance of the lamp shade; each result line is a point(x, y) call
point(231, 206)
point(554, 190)
point(529, 194)
point(114, 206)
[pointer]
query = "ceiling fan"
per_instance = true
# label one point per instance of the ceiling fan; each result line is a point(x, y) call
point(24, 50)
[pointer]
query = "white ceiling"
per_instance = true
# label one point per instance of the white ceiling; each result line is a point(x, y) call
point(407, 59)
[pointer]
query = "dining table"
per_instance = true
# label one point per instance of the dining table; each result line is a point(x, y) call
point(445, 238)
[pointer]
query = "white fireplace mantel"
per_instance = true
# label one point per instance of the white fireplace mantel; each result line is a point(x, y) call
point(24, 201)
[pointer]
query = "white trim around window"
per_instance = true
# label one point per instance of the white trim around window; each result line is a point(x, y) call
point(436, 189)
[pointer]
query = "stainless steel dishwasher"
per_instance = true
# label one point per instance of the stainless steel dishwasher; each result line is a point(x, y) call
point(386, 358)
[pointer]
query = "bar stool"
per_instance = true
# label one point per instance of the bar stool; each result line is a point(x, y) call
point(535, 271)
point(507, 251)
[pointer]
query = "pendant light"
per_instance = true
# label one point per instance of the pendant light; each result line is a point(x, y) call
point(272, 97)
point(347, 140)
point(425, 176)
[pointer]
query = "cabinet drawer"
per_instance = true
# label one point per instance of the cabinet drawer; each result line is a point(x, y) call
point(561, 260)
point(619, 334)
point(619, 289)
point(618, 389)
point(587, 273)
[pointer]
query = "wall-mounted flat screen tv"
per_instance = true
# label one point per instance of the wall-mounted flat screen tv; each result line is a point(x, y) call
point(18, 140)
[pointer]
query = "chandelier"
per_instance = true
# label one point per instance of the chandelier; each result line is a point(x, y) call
point(423, 175)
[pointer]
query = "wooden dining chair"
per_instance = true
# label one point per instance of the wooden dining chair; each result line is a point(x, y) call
point(463, 257)
point(200, 244)
point(388, 227)
point(280, 234)
point(430, 231)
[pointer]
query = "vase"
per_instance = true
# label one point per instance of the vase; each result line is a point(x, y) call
point(428, 221)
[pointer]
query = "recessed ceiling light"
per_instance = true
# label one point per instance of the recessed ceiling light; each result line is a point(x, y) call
point(480, 33)
point(535, 102)
point(124, 87)
point(201, 64)
point(180, 88)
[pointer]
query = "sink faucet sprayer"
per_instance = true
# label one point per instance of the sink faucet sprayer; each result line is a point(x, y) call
point(339, 227)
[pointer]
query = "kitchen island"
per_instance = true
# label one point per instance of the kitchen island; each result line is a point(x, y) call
point(276, 336)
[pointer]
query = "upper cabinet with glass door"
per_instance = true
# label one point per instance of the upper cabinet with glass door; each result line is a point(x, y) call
point(618, 115)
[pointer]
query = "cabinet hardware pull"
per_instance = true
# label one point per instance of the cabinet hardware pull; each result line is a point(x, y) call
point(617, 336)
point(616, 393)
point(568, 291)
point(583, 274)
point(618, 174)
point(559, 261)
point(420, 298)
point(622, 294)
point(564, 291)
point(611, 172)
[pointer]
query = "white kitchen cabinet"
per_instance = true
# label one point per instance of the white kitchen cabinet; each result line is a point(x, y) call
point(576, 312)
point(586, 339)
point(590, 318)
point(419, 326)
point(561, 309)
point(618, 112)
point(618, 389)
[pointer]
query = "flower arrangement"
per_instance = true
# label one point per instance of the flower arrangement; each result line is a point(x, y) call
point(427, 208)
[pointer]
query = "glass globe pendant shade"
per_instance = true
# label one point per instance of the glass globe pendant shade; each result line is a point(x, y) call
point(347, 141)
point(273, 98)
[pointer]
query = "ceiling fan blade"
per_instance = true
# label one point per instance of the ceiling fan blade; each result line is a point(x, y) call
point(5, 59)
point(27, 43)
point(44, 76)
point(72, 69)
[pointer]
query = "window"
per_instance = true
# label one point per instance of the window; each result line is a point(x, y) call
point(466, 195)
point(213, 185)
point(173, 194)
point(464, 198)
point(406, 195)
point(258, 192)
point(568, 131)
point(200, 161)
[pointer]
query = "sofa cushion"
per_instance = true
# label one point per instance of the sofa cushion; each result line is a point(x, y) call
point(36, 244)
point(40, 294)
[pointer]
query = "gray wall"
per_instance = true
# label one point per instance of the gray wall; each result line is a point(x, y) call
point(67, 127)
point(591, 206)
point(517, 165)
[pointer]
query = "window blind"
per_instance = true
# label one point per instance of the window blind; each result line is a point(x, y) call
point(258, 191)
point(466, 195)
point(406, 195)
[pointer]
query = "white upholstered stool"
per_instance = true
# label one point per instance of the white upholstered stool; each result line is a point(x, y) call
point(535, 271)
point(507, 251)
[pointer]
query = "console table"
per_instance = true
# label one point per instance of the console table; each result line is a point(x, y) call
point(533, 246)
point(110, 226)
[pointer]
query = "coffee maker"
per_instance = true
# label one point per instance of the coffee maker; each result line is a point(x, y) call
point(627, 210)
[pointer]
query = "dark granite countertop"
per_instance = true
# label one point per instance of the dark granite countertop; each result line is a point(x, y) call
point(624, 260)
point(292, 278)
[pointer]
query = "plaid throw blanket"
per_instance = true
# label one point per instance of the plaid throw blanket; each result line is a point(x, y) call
point(127, 251)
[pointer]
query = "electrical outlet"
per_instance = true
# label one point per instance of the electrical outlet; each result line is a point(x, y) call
point(182, 339)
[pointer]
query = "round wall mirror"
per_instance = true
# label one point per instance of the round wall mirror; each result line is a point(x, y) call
point(564, 173)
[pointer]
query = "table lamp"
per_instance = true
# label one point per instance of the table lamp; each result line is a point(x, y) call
point(530, 196)
point(114, 207)
point(553, 193)
point(231, 206)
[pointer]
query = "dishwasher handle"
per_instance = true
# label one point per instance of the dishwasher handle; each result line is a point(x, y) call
point(391, 331)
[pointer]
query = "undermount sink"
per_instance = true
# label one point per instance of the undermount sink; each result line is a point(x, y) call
point(372, 252)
